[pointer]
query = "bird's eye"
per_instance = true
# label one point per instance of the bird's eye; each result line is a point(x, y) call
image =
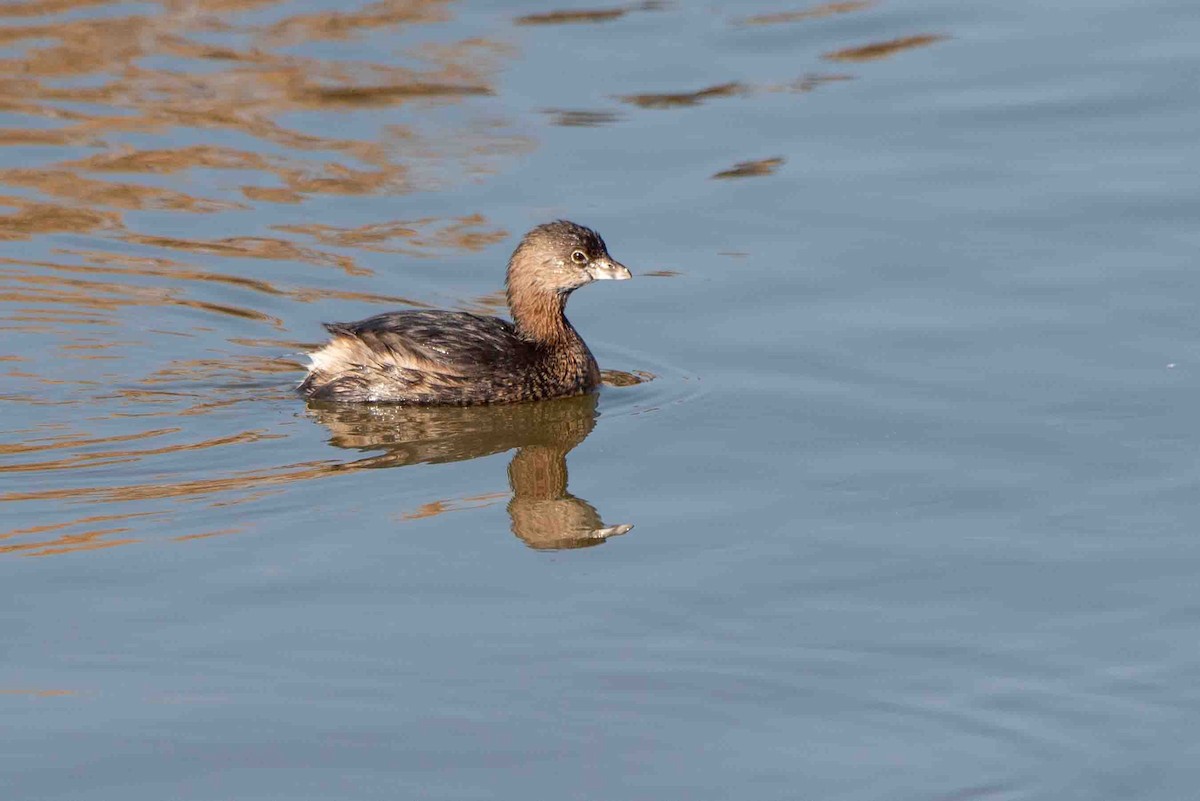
point(579, 257)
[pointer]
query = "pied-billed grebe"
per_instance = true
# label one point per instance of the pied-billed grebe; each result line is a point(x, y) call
point(461, 359)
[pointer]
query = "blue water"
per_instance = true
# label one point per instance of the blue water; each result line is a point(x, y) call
point(894, 480)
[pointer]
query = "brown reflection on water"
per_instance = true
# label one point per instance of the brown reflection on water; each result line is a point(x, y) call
point(814, 12)
point(348, 21)
point(68, 184)
point(163, 177)
point(241, 482)
point(44, 302)
point(580, 118)
point(749, 169)
point(113, 100)
point(811, 81)
point(494, 304)
point(668, 100)
point(33, 217)
point(54, 300)
point(83, 81)
point(435, 508)
point(63, 472)
point(587, 15)
point(544, 514)
point(86, 533)
point(678, 99)
point(422, 237)
point(187, 387)
point(878, 50)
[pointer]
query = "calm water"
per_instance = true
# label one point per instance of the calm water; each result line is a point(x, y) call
point(903, 410)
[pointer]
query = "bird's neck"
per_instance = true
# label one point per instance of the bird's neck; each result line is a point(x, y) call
point(539, 315)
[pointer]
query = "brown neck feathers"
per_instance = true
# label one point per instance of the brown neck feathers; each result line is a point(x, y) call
point(535, 300)
point(538, 313)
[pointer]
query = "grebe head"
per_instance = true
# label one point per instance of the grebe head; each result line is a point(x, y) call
point(560, 257)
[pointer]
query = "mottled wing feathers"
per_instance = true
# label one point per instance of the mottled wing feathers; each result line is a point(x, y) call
point(458, 341)
point(413, 357)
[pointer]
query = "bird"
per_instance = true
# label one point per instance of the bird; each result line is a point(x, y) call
point(438, 357)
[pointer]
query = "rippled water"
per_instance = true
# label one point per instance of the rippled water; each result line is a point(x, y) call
point(894, 472)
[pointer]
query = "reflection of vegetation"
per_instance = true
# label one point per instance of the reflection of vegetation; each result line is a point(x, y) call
point(880, 50)
point(190, 109)
point(809, 82)
point(410, 237)
point(665, 100)
point(674, 100)
point(104, 81)
point(564, 17)
point(170, 167)
point(544, 514)
point(747, 169)
point(586, 15)
point(823, 10)
point(581, 118)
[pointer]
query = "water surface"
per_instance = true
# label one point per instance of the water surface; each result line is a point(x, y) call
point(891, 488)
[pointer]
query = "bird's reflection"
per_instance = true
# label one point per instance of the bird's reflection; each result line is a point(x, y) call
point(544, 514)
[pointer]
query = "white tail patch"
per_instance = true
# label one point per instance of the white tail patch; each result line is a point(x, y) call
point(347, 354)
point(328, 358)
